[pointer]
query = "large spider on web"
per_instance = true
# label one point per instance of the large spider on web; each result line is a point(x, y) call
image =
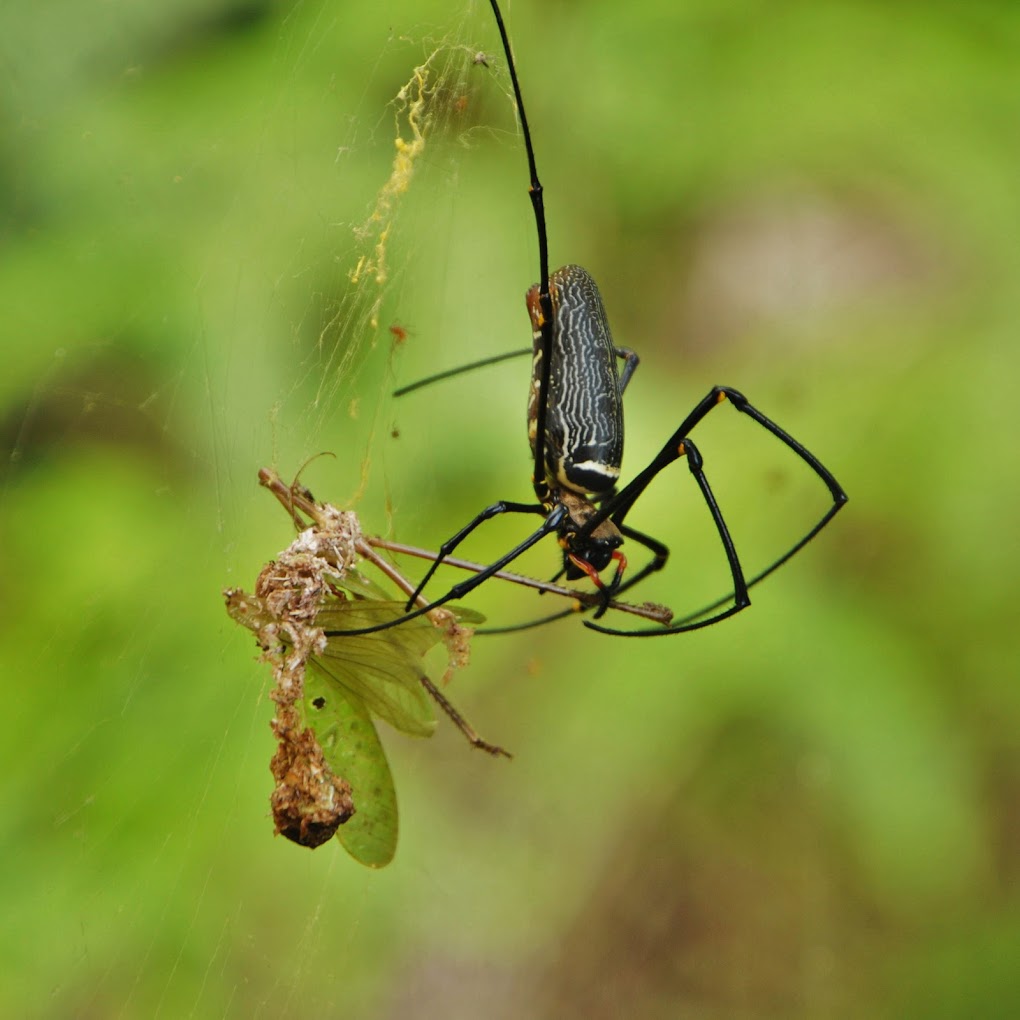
point(575, 428)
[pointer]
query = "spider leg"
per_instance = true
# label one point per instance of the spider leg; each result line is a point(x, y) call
point(677, 446)
point(648, 611)
point(660, 554)
point(495, 510)
point(741, 600)
point(839, 496)
point(458, 591)
point(630, 362)
point(620, 507)
point(540, 622)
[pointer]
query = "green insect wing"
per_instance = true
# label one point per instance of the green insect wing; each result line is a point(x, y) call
point(382, 670)
point(351, 680)
point(347, 684)
point(351, 747)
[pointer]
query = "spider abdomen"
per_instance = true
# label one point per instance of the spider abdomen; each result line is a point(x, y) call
point(584, 410)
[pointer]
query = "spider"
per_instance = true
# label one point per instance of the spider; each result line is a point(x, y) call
point(575, 428)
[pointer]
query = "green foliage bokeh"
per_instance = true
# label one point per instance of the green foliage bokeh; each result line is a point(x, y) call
point(810, 811)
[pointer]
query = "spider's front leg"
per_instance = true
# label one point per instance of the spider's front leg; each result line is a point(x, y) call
point(660, 555)
point(458, 591)
point(495, 510)
point(621, 505)
point(679, 445)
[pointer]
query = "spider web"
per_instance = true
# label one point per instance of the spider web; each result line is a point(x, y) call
point(143, 434)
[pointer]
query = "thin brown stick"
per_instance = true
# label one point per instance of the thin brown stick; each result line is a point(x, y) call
point(296, 497)
point(649, 611)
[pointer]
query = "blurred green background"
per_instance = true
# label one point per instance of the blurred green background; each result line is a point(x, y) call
point(809, 811)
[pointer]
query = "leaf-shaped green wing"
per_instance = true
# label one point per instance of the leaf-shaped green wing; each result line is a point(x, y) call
point(383, 670)
point(351, 746)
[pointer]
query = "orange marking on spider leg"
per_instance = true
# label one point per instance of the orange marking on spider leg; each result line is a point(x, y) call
point(587, 568)
point(621, 566)
point(681, 450)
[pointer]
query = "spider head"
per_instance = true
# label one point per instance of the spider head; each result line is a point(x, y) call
point(587, 552)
